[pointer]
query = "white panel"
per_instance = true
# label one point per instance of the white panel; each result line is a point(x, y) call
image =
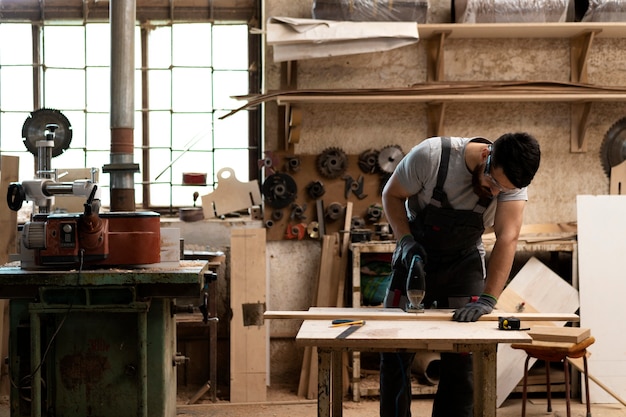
point(543, 291)
point(601, 252)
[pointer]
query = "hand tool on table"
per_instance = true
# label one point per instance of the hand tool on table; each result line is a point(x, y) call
point(354, 325)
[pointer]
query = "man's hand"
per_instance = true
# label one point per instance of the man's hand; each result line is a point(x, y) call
point(406, 248)
point(473, 311)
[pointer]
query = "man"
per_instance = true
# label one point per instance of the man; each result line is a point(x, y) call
point(438, 202)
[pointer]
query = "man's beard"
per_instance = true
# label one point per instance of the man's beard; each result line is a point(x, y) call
point(479, 189)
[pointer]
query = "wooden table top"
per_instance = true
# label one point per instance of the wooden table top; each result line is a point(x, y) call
point(405, 334)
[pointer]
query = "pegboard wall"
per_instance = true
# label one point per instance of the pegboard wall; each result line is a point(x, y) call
point(295, 191)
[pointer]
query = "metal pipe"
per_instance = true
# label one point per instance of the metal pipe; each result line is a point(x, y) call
point(122, 167)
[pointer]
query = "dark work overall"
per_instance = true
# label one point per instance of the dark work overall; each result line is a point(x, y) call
point(454, 273)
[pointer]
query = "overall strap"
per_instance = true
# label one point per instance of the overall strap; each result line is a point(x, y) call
point(439, 197)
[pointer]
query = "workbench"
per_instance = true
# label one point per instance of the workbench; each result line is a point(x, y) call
point(423, 332)
point(101, 341)
point(533, 238)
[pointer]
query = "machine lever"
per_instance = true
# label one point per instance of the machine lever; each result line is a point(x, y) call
point(15, 196)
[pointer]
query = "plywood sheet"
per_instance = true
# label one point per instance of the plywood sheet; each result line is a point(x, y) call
point(601, 249)
point(230, 195)
point(248, 347)
point(535, 288)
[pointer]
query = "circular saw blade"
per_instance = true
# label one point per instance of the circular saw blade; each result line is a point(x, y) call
point(613, 147)
point(34, 130)
point(389, 157)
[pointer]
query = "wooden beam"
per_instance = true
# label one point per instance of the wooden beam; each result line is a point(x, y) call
point(428, 315)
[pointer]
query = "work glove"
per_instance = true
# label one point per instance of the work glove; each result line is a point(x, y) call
point(406, 249)
point(473, 311)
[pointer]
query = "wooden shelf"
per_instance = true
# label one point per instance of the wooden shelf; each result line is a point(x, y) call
point(447, 98)
point(579, 93)
point(522, 30)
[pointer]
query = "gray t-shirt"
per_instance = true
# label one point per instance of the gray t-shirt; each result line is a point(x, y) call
point(418, 170)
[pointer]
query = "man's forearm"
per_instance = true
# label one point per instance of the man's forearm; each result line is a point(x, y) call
point(396, 216)
point(499, 268)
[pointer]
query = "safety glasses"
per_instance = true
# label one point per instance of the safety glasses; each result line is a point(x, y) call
point(491, 179)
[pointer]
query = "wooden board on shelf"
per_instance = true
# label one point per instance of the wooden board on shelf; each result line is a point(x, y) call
point(559, 334)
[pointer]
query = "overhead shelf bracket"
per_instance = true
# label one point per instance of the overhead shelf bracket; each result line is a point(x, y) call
point(579, 52)
point(579, 122)
point(435, 49)
point(436, 113)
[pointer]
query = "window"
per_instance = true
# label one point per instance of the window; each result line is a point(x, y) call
point(193, 70)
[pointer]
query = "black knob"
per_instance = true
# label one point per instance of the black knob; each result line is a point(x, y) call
point(15, 196)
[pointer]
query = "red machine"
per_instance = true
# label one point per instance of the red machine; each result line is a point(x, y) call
point(90, 238)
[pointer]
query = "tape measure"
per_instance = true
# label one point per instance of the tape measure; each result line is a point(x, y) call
point(510, 323)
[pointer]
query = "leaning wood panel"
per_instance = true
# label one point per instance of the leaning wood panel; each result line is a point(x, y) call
point(535, 289)
point(9, 172)
point(248, 347)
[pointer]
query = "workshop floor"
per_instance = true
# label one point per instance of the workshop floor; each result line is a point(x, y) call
point(282, 402)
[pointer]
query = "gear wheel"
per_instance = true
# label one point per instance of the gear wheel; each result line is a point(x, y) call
point(368, 161)
point(34, 130)
point(332, 163)
point(279, 190)
point(613, 147)
point(389, 157)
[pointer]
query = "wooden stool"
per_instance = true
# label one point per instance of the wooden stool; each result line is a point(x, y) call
point(556, 352)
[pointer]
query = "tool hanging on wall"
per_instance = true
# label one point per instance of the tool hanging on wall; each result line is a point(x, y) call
point(293, 164)
point(389, 157)
point(374, 213)
point(313, 230)
point(333, 211)
point(279, 190)
point(368, 161)
point(296, 231)
point(332, 163)
point(315, 189)
point(298, 212)
point(269, 163)
point(356, 186)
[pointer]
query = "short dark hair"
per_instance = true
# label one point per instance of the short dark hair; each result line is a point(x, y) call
point(518, 154)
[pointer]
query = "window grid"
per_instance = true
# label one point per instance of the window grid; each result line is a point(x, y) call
point(221, 143)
